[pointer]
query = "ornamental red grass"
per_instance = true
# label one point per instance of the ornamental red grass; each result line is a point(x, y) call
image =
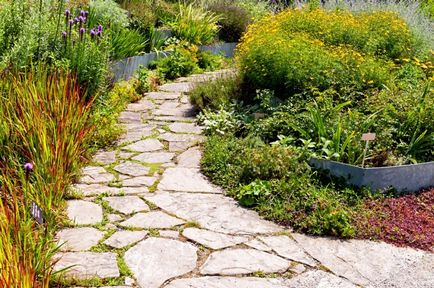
point(403, 221)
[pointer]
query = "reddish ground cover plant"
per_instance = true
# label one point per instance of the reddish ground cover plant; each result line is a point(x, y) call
point(403, 221)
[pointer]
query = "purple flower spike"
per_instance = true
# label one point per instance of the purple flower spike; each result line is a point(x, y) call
point(86, 13)
point(82, 13)
point(81, 19)
point(82, 30)
point(76, 20)
point(67, 13)
point(92, 33)
point(71, 22)
point(64, 34)
point(28, 167)
point(99, 28)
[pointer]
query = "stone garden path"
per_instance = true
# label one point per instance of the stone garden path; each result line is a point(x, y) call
point(148, 218)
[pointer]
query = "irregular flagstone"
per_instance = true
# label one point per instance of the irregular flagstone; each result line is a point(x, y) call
point(187, 119)
point(288, 248)
point(142, 105)
point(121, 239)
point(182, 87)
point(132, 169)
point(147, 145)
point(127, 204)
point(186, 180)
point(155, 157)
point(372, 264)
point(180, 127)
point(258, 245)
point(243, 261)
point(155, 219)
point(179, 111)
point(179, 146)
point(169, 234)
point(320, 279)
point(78, 239)
point(163, 95)
point(83, 212)
point(93, 175)
point(155, 260)
point(87, 265)
point(228, 282)
point(212, 239)
point(114, 218)
point(172, 137)
point(139, 181)
point(213, 211)
point(95, 189)
point(297, 269)
point(134, 190)
point(132, 136)
point(130, 117)
point(190, 158)
point(105, 157)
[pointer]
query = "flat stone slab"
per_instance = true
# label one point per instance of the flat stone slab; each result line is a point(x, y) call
point(114, 218)
point(186, 180)
point(95, 189)
point(154, 157)
point(229, 282)
point(154, 219)
point(139, 181)
point(372, 264)
point(96, 174)
point(212, 239)
point(147, 145)
point(127, 204)
point(169, 234)
point(179, 146)
point(172, 137)
point(78, 239)
point(130, 117)
point(243, 261)
point(121, 239)
point(163, 95)
point(183, 87)
point(318, 278)
point(83, 212)
point(132, 169)
point(105, 157)
point(155, 260)
point(88, 265)
point(181, 127)
point(140, 106)
point(190, 158)
point(258, 245)
point(213, 211)
point(288, 248)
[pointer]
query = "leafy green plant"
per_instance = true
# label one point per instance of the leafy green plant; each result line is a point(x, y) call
point(143, 85)
point(195, 25)
point(126, 42)
point(233, 22)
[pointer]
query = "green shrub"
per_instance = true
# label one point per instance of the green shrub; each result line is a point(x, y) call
point(107, 109)
point(182, 61)
point(217, 93)
point(208, 61)
point(233, 22)
point(195, 25)
point(107, 13)
point(143, 84)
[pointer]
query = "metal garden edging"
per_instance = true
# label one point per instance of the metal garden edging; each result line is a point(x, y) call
point(405, 178)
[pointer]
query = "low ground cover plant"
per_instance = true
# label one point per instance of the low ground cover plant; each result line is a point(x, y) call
point(311, 81)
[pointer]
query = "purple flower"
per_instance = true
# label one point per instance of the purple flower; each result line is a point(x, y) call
point(71, 22)
point(82, 13)
point(82, 30)
point(86, 13)
point(92, 33)
point(81, 19)
point(28, 167)
point(99, 28)
point(67, 13)
point(64, 34)
point(76, 20)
